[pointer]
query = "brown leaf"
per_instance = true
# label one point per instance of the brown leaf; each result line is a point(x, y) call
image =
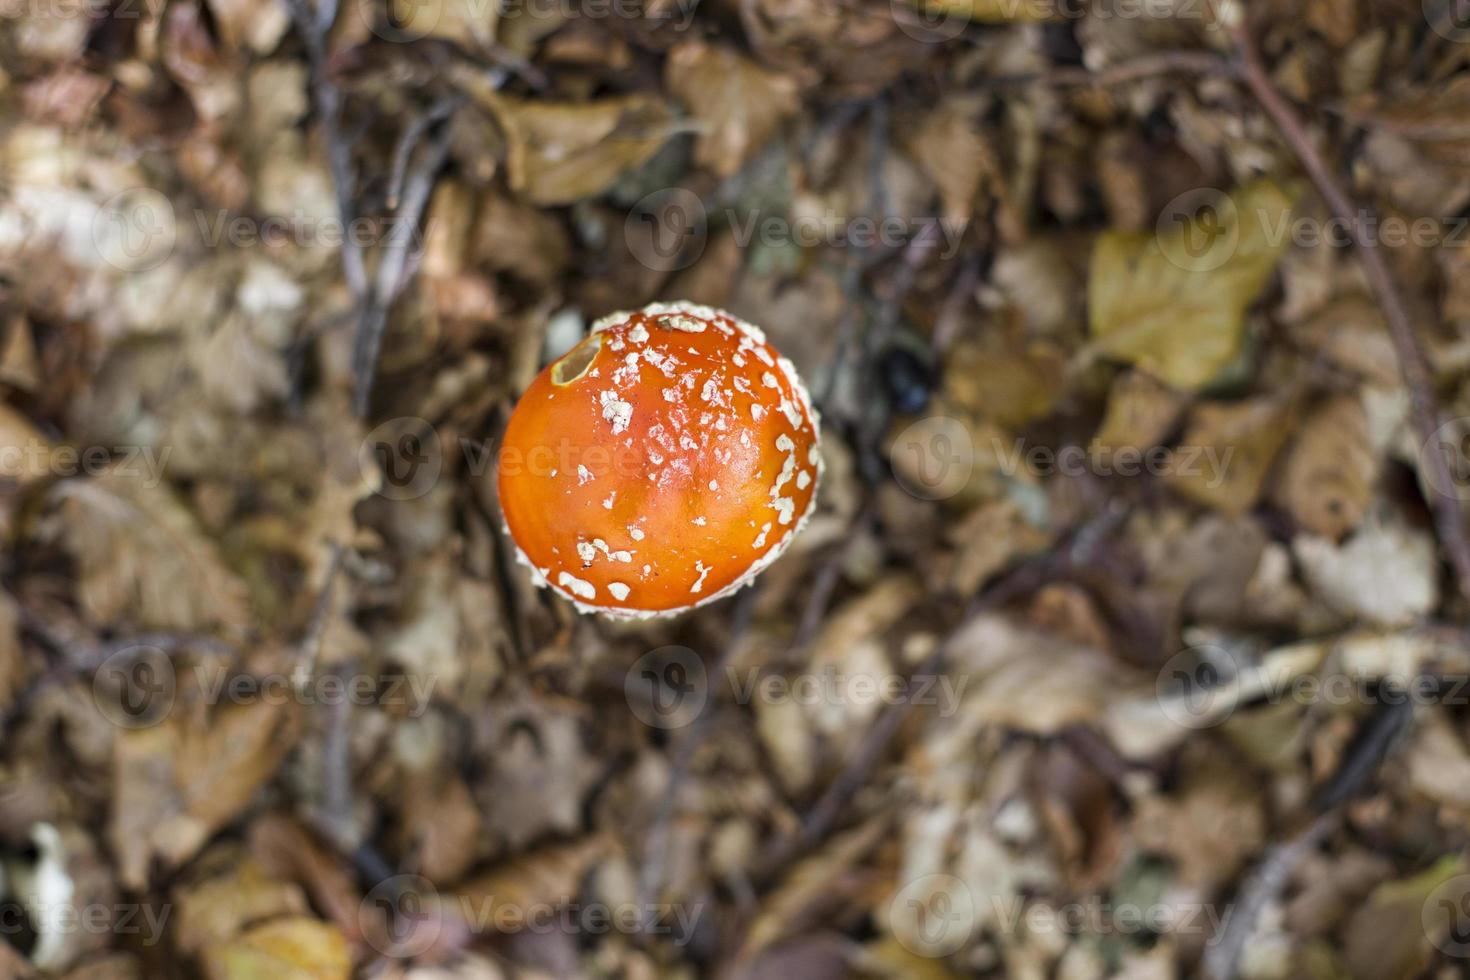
point(807, 887)
point(1328, 475)
point(989, 539)
point(549, 876)
point(177, 783)
point(1227, 450)
point(1352, 334)
point(950, 149)
point(444, 828)
point(542, 773)
point(13, 668)
point(1432, 116)
point(994, 11)
point(212, 912)
point(1141, 412)
point(1211, 827)
point(559, 152)
point(1027, 680)
point(287, 851)
point(142, 558)
point(738, 104)
point(25, 454)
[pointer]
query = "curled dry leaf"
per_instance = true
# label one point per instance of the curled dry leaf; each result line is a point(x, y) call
point(807, 887)
point(1327, 476)
point(950, 148)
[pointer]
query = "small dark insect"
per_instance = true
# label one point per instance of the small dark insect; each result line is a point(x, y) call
point(907, 379)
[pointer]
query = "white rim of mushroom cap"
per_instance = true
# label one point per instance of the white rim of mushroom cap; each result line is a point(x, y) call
point(540, 577)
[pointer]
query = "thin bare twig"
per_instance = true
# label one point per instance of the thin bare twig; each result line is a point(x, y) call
point(314, 26)
point(1135, 69)
point(1265, 884)
point(1449, 519)
point(310, 647)
point(409, 141)
point(391, 272)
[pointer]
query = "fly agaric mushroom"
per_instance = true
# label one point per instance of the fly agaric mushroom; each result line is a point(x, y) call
point(661, 464)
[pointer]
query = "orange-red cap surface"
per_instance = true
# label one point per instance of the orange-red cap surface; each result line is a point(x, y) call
point(661, 464)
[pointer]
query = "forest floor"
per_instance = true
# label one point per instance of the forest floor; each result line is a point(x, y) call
point(1128, 638)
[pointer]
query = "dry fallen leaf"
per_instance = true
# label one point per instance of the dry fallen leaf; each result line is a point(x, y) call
point(806, 885)
point(549, 876)
point(1173, 302)
point(1226, 451)
point(1385, 573)
point(296, 948)
point(25, 454)
point(562, 152)
point(214, 911)
point(1141, 413)
point(951, 150)
point(1328, 474)
point(141, 555)
point(181, 780)
point(993, 11)
point(739, 104)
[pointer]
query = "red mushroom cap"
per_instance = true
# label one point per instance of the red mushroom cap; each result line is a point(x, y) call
point(661, 464)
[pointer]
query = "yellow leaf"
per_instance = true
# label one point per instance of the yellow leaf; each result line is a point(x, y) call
point(1173, 301)
point(995, 11)
point(297, 948)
